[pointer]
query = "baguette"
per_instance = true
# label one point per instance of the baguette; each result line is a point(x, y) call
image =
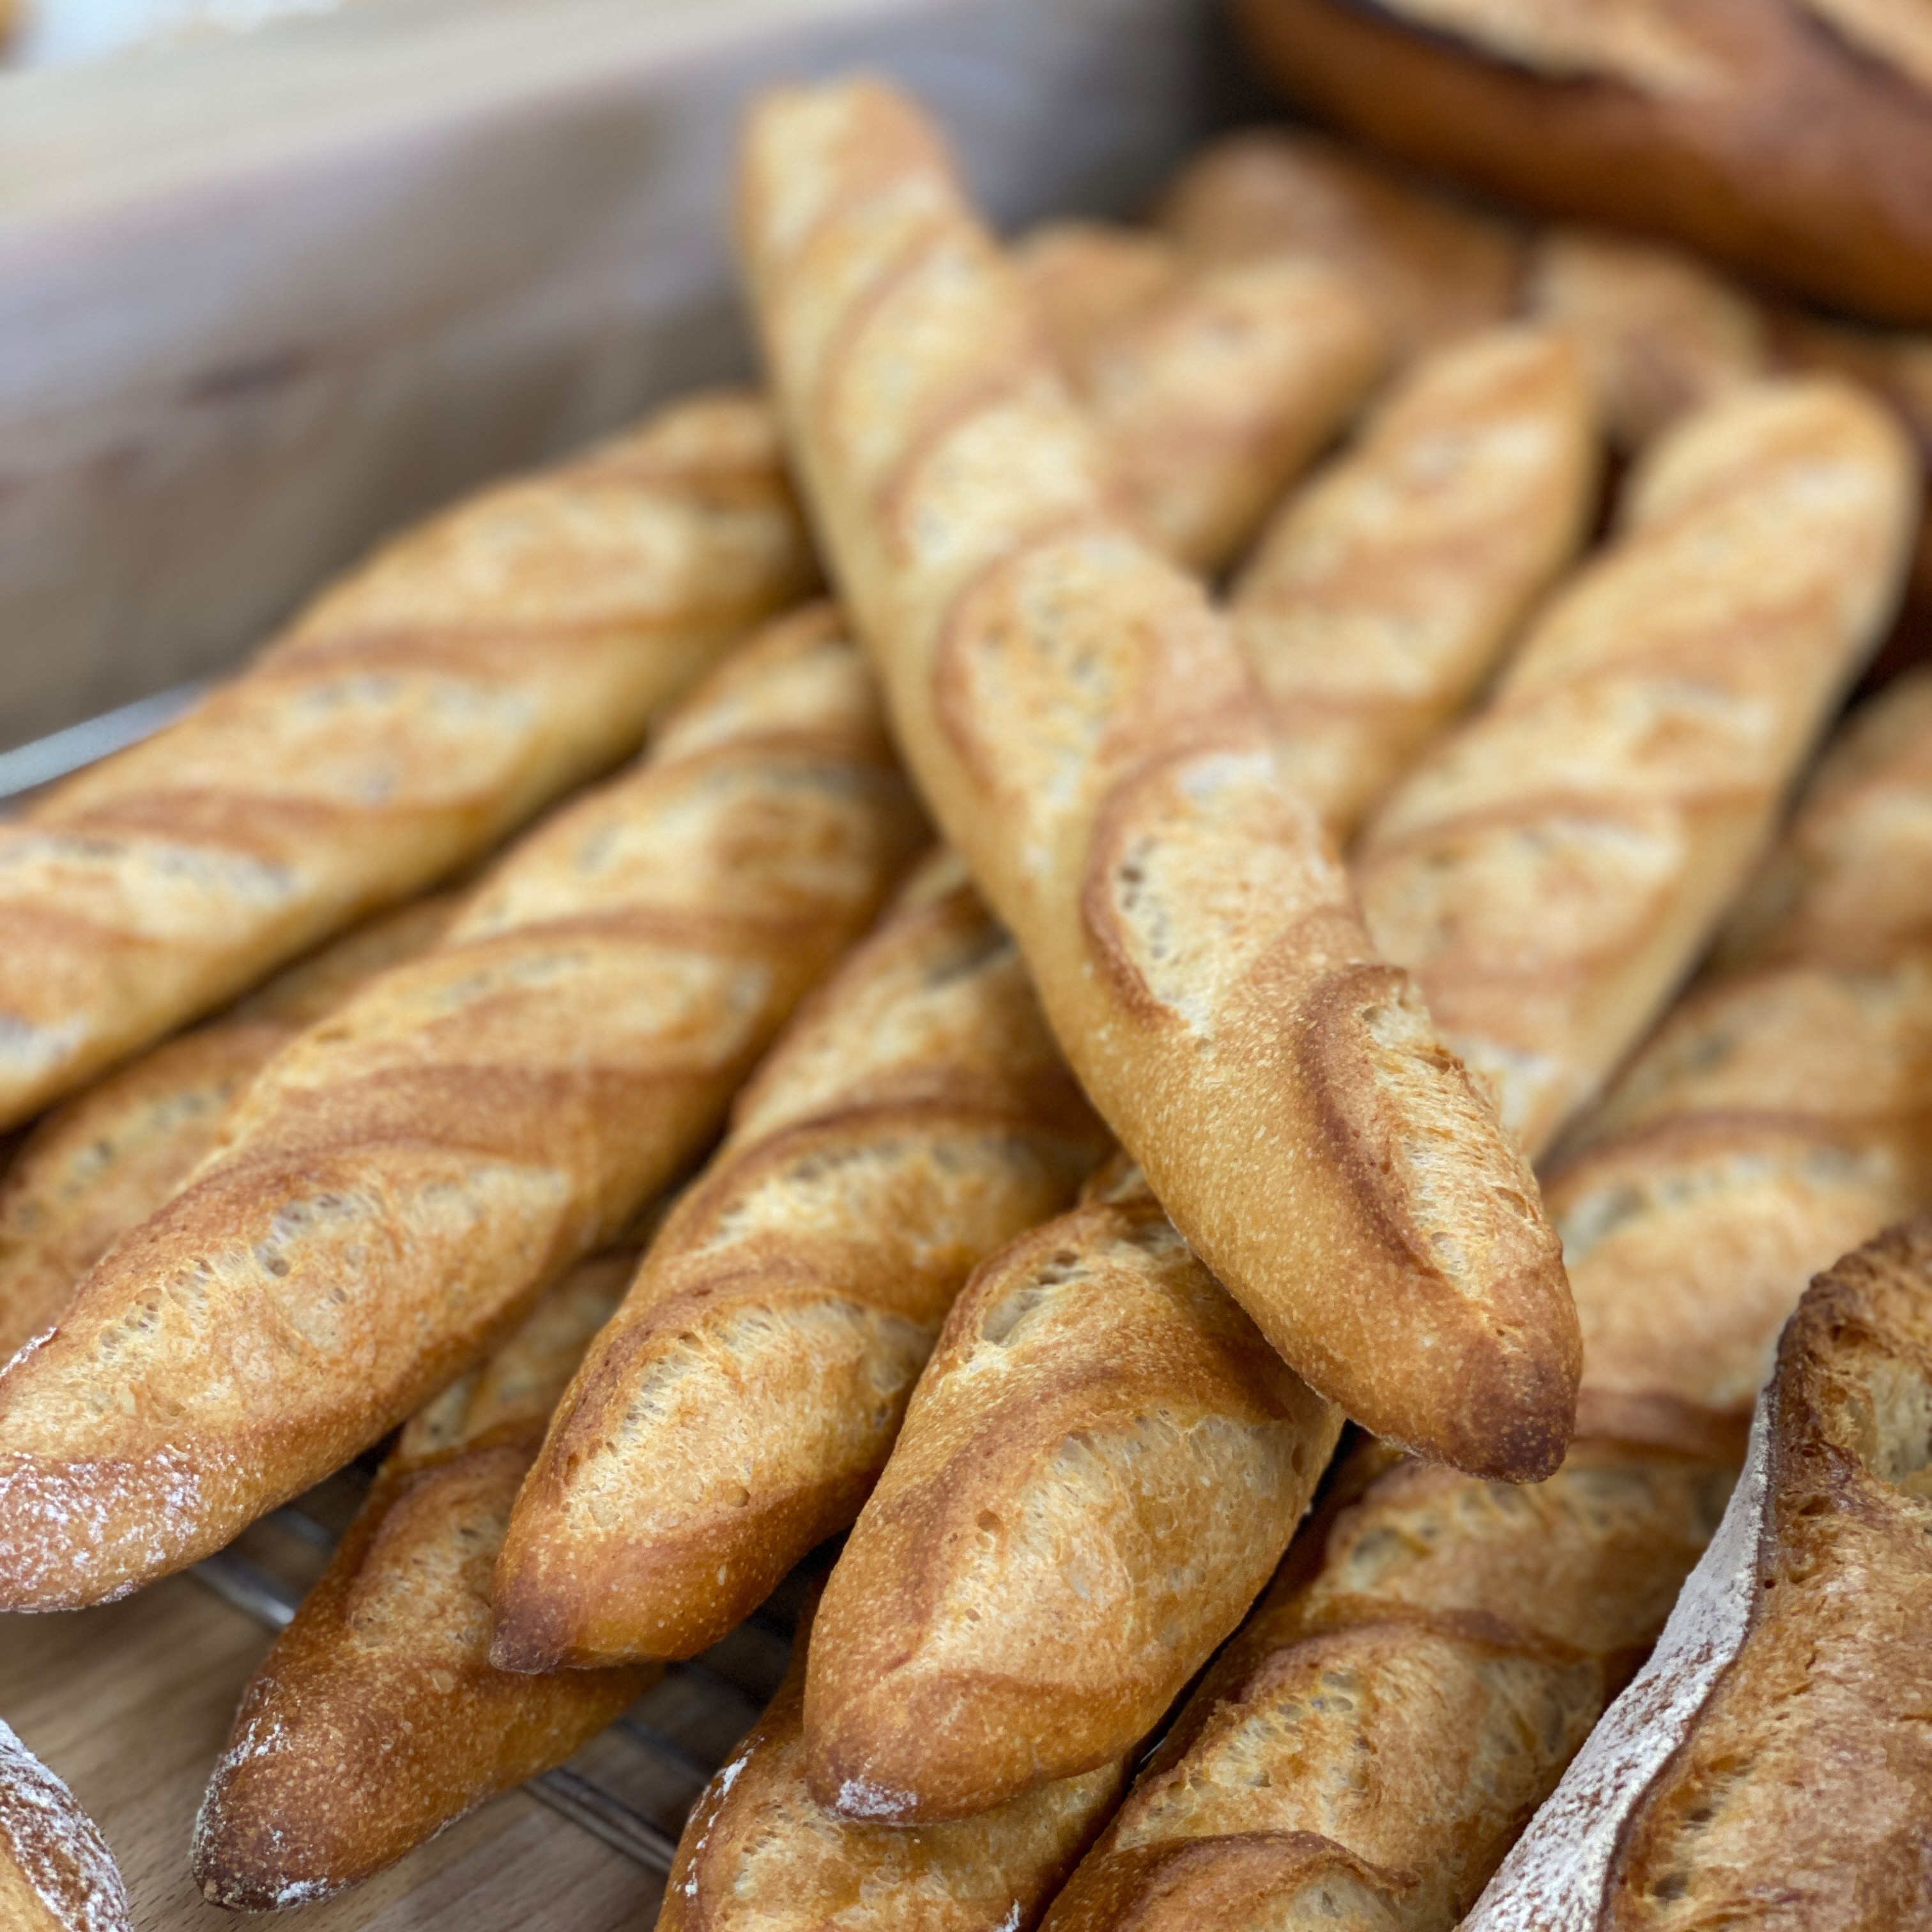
point(1432, 269)
point(376, 1720)
point(1770, 1766)
point(105, 1160)
point(758, 1855)
point(1083, 726)
point(471, 671)
point(1383, 592)
point(1210, 394)
point(1099, 1468)
point(401, 1180)
point(1362, 1754)
point(56, 1873)
point(1551, 870)
point(737, 1411)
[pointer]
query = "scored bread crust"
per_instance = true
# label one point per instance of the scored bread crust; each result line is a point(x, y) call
point(1431, 269)
point(376, 1719)
point(1098, 1469)
point(915, 1117)
point(103, 1161)
point(56, 1873)
point(471, 671)
point(1081, 725)
point(1769, 1766)
point(758, 1855)
point(1434, 1651)
point(1669, 119)
point(1552, 868)
point(1385, 589)
point(403, 1177)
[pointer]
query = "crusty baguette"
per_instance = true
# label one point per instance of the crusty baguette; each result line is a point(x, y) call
point(1771, 1767)
point(103, 1161)
point(377, 1719)
point(914, 1118)
point(1551, 869)
point(758, 1855)
point(1431, 268)
point(1431, 1656)
point(1082, 726)
point(1099, 1468)
point(470, 672)
point(1212, 395)
point(1385, 589)
point(403, 1178)
point(56, 1873)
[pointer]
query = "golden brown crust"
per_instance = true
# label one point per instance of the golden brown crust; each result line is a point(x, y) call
point(1098, 1469)
point(1551, 869)
point(1385, 589)
point(56, 1873)
point(738, 1411)
point(1668, 119)
point(1081, 723)
point(466, 675)
point(405, 1177)
point(1431, 269)
point(1381, 1730)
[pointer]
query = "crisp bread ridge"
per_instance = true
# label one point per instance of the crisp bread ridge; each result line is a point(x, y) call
point(405, 1177)
point(56, 1873)
point(469, 672)
point(1077, 717)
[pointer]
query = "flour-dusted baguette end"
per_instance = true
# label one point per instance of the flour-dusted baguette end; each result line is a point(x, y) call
point(56, 1873)
point(1770, 1765)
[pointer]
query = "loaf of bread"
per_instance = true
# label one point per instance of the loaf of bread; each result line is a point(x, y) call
point(1551, 870)
point(1082, 726)
point(56, 1873)
point(1099, 1468)
point(1431, 268)
point(377, 1719)
point(758, 1855)
point(1383, 591)
point(915, 1117)
point(403, 1179)
point(1211, 394)
point(103, 1162)
point(469, 672)
point(1434, 1652)
point(1771, 1767)
point(1676, 120)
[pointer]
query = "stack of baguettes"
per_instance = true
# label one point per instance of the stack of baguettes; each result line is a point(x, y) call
point(1070, 1213)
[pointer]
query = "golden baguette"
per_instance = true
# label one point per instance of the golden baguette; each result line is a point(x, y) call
point(56, 1873)
point(1385, 589)
point(737, 1411)
point(402, 1180)
point(1099, 1468)
point(1431, 269)
point(1083, 726)
point(758, 1855)
point(1551, 869)
point(1770, 1767)
point(377, 1719)
point(1210, 394)
point(1435, 1649)
point(103, 1162)
point(471, 671)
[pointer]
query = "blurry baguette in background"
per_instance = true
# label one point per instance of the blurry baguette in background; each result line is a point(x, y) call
point(472, 670)
point(56, 1872)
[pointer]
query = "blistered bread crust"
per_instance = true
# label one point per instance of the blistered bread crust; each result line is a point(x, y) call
point(1099, 1468)
point(916, 1116)
point(1081, 723)
point(1552, 869)
point(56, 1873)
point(467, 674)
point(403, 1179)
